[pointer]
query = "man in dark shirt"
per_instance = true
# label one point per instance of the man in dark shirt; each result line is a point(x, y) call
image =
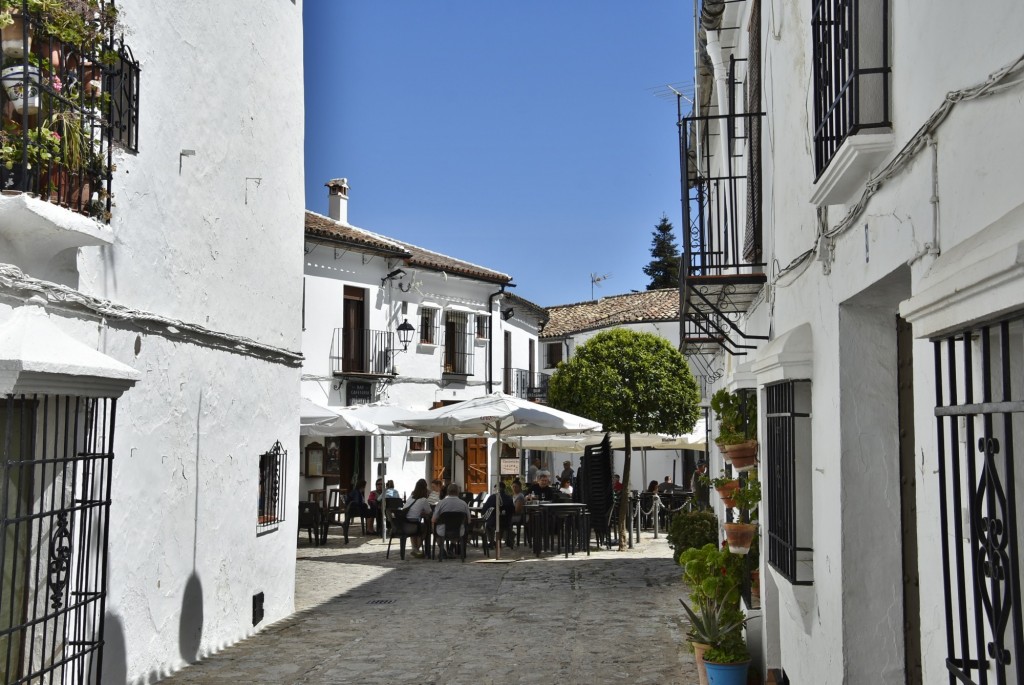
point(542, 490)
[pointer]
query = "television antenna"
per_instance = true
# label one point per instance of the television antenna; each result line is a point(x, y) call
point(596, 280)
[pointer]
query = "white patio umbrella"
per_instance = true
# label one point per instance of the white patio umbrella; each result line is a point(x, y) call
point(499, 415)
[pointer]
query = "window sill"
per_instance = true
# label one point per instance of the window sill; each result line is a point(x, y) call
point(851, 167)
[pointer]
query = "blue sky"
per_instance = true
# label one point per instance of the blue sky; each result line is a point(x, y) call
point(526, 137)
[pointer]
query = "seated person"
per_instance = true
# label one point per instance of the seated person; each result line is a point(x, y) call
point(566, 488)
point(542, 490)
point(390, 491)
point(373, 504)
point(435, 492)
point(508, 507)
point(567, 473)
point(666, 487)
point(518, 496)
point(361, 506)
point(415, 511)
point(450, 503)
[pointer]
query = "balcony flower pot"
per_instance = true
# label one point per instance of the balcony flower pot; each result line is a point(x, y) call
point(13, 79)
point(742, 455)
point(740, 536)
point(13, 37)
point(727, 674)
point(727, 491)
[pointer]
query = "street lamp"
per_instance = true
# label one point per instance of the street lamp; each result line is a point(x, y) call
point(405, 331)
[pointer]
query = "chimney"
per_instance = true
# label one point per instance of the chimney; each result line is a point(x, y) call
point(338, 192)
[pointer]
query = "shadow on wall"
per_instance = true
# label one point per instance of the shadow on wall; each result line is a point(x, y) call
point(115, 655)
point(190, 630)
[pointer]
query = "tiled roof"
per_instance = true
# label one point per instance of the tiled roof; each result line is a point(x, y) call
point(321, 226)
point(651, 305)
point(533, 308)
point(360, 239)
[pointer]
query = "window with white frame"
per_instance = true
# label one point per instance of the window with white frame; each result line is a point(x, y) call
point(483, 322)
point(428, 325)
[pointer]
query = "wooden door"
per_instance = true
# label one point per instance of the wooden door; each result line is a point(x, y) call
point(476, 465)
point(437, 455)
point(354, 323)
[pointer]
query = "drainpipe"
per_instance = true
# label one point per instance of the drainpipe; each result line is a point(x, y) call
point(490, 336)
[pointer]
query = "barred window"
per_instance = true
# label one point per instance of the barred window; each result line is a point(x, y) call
point(788, 432)
point(428, 325)
point(270, 510)
point(123, 86)
point(483, 322)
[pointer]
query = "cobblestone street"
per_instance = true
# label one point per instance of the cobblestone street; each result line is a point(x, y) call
point(609, 618)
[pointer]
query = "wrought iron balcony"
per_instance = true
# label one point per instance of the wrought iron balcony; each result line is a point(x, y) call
point(70, 91)
point(361, 351)
point(721, 272)
point(526, 385)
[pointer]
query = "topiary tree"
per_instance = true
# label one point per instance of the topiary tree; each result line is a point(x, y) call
point(631, 382)
point(690, 529)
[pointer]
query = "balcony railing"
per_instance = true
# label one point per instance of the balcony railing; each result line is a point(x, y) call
point(526, 385)
point(69, 90)
point(362, 351)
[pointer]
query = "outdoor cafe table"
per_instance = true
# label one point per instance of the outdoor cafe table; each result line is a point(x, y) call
point(572, 517)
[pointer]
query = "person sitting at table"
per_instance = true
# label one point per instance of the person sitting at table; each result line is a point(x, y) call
point(508, 507)
point(542, 490)
point(435, 492)
point(450, 503)
point(415, 511)
point(361, 507)
point(390, 490)
point(373, 504)
point(566, 488)
point(518, 496)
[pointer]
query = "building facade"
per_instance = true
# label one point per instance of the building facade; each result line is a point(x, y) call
point(465, 335)
point(854, 221)
point(167, 249)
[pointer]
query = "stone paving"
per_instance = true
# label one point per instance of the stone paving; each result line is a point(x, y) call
point(612, 617)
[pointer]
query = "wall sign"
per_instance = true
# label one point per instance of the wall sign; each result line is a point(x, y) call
point(509, 467)
point(358, 392)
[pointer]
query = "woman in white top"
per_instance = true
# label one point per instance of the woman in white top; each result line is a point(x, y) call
point(566, 488)
point(414, 511)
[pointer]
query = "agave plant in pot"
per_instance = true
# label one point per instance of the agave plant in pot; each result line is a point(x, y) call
point(713, 622)
point(737, 427)
point(741, 534)
point(713, 575)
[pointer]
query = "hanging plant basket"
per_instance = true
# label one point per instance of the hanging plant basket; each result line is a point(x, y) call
point(741, 450)
point(740, 536)
point(727, 491)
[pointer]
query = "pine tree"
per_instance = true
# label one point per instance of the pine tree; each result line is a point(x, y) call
point(664, 267)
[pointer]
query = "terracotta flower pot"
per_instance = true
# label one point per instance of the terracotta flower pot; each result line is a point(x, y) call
point(13, 37)
point(698, 656)
point(742, 450)
point(740, 536)
point(727, 491)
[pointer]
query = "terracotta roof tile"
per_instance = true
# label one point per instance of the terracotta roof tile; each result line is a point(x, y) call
point(355, 238)
point(648, 306)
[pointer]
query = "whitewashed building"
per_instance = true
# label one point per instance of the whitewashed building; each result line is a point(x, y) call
point(468, 336)
point(852, 255)
point(150, 365)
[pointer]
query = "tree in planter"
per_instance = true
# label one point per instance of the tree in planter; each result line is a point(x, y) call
point(631, 382)
point(664, 265)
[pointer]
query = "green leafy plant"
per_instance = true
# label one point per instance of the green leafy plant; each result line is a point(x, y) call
point(711, 621)
point(749, 495)
point(719, 481)
point(737, 416)
point(42, 148)
point(712, 573)
point(690, 529)
point(732, 650)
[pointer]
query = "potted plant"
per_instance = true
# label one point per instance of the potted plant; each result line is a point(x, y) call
point(727, 662)
point(22, 79)
point(726, 486)
point(737, 427)
point(741, 534)
point(713, 575)
point(711, 623)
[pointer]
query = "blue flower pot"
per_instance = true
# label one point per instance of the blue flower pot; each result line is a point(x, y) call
point(727, 674)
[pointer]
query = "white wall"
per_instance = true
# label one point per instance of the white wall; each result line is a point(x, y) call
point(215, 242)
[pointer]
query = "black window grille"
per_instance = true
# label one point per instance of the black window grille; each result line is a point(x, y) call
point(787, 431)
point(458, 357)
point(122, 81)
point(851, 72)
point(482, 324)
point(55, 500)
point(979, 374)
point(272, 488)
point(63, 95)
point(428, 325)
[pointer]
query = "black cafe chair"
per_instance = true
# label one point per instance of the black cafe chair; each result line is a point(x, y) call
point(403, 529)
point(456, 534)
point(311, 520)
point(353, 511)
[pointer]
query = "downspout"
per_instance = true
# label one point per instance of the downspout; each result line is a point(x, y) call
point(491, 338)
